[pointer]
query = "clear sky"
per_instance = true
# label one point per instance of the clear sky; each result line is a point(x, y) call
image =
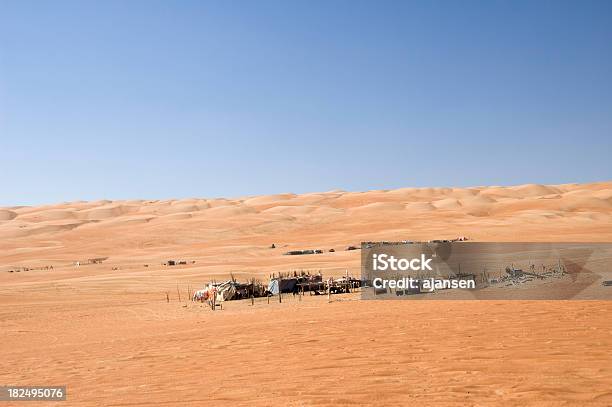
point(176, 99)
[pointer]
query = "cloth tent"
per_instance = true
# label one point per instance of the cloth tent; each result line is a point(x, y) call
point(225, 291)
point(287, 285)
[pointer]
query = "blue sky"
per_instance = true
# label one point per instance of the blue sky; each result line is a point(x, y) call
point(175, 99)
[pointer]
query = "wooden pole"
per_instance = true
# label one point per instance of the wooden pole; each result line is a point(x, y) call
point(348, 290)
point(252, 291)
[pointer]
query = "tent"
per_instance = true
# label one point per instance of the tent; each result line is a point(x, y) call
point(288, 285)
point(226, 291)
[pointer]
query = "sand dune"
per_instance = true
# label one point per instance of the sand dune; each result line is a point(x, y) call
point(106, 211)
point(109, 326)
point(448, 203)
point(45, 215)
point(560, 212)
point(5, 214)
point(449, 209)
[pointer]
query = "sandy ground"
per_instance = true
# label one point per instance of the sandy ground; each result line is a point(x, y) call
point(107, 332)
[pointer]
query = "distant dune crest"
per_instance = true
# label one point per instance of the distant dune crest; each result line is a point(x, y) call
point(559, 212)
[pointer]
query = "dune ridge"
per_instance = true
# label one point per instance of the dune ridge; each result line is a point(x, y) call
point(198, 228)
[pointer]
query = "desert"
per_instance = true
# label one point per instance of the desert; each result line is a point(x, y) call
point(107, 331)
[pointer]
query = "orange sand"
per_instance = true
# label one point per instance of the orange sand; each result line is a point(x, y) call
point(110, 336)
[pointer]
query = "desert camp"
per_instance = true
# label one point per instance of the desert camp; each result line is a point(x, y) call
point(280, 203)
